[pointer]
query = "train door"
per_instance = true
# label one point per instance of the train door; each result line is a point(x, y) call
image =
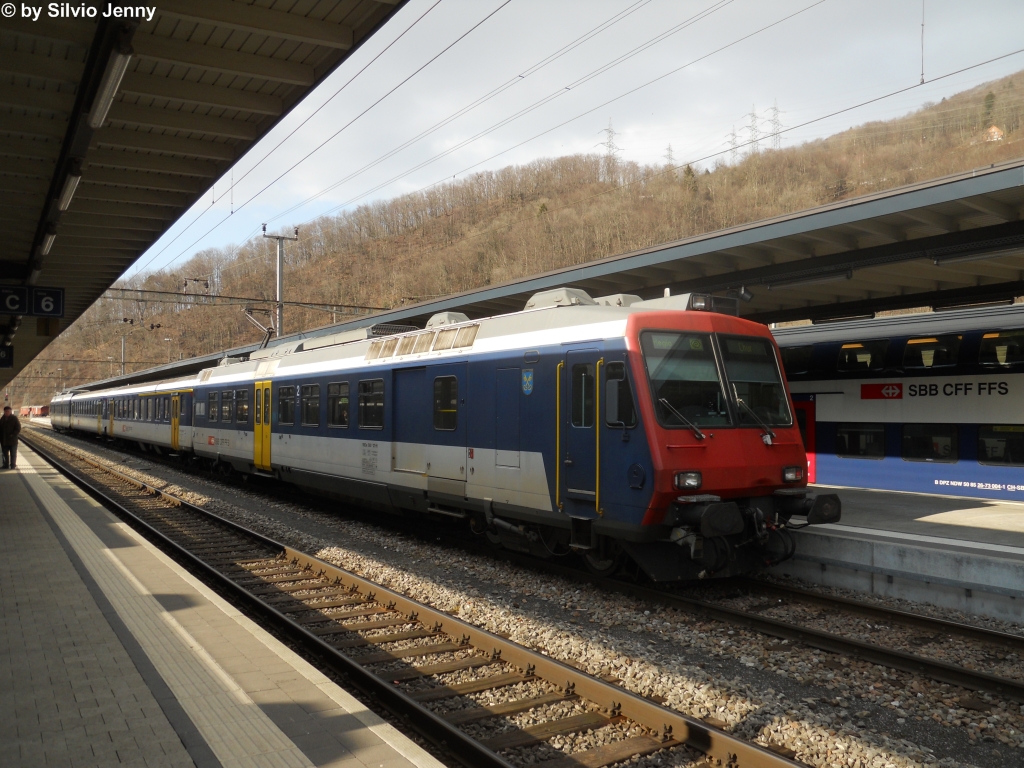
point(262, 424)
point(175, 421)
point(446, 387)
point(412, 431)
point(579, 431)
point(806, 422)
point(509, 382)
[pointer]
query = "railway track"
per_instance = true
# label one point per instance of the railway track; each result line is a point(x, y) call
point(940, 671)
point(459, 686)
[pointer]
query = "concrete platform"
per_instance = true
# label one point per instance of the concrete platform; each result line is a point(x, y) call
point(111, 654)
point(961, 553)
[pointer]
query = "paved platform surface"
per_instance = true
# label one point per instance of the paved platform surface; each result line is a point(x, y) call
point(966, 554)
point(111, 654)
point(937, 521)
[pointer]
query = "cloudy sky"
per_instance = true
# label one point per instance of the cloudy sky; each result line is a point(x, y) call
point(524, 79)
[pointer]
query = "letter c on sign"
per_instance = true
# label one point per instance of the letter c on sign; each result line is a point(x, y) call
point(12, 301)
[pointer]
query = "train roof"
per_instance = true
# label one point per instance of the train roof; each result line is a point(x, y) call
point(559, 316)
point(1003, 317)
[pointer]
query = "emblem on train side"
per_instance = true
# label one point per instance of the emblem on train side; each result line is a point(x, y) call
point(527, 381)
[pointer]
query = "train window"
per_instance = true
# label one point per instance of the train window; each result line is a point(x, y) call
point(225, 406)
point(796, 360)
point(1002, 348)
point(167, 409)
point(371, 404)
point(137, 410)
point(405, 345)
point(684, 379)
point(1001, 444)
point(337, 404)
point(241, 406)
point(445, 338)
point(930, 442)
point(860, 441)
point(446, 403)
point(159, 409)
point(582, 398)
point(932, 351)
point(213, 409)
point(423, 342)
point(374, 351)
point(862, 355)
point(466, 336)
point(310, 405)
point(753, 373)
point(286, 405)
point(258, 409)
point(618, 400)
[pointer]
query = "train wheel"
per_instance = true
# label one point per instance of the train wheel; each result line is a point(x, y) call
point(605, 559)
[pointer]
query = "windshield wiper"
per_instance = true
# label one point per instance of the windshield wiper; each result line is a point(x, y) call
point(767, 430)
point(696, 430)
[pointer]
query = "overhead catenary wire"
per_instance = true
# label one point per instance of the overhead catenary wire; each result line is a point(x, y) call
point(607, 66)
point(713, 155)
point(562, 124)
point(405, 80)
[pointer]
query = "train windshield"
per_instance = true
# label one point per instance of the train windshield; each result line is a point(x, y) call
point(684, 379)
point(753, 373)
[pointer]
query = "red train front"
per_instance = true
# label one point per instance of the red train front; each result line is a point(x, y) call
point(727, 457)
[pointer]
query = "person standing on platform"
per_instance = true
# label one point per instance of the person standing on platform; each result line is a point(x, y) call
point(10, 428)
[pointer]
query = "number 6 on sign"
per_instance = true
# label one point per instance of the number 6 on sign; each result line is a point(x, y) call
point(48, 302)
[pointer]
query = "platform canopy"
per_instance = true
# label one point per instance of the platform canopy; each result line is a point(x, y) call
point(111, 128)
point(954, 241)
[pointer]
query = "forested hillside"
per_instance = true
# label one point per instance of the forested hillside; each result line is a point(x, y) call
point(500, 225)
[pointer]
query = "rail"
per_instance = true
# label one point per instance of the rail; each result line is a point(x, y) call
point(277, 596)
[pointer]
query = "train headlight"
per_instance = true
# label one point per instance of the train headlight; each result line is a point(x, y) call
point(792, 474)
point(688, 481)
point(700, 302)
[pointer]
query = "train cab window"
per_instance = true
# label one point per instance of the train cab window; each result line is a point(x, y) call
point(241, 406)
point(310, 405)
point(371, 404)
point(753, 374)
point(932, 352)
point(446, 403)
point(797, 360)
point(1001, 444)
point(286, 405)
point(862, 356)
point(685, 383)
point(619, 410)
point(213, 408)
point(1002, 349)
point(930, 442)
point(225, 406)
point(582, 403)
point(337, 404)
point(860, 441)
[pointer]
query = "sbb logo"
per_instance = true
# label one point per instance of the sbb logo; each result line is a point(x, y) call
point(881, 391)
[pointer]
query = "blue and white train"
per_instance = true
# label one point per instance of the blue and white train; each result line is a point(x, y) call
point(930, 402)
point(659, 430)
